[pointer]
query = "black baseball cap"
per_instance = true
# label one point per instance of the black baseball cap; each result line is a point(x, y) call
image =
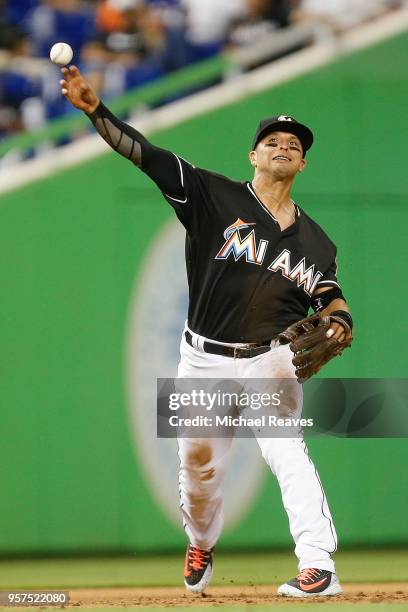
point(284, 123)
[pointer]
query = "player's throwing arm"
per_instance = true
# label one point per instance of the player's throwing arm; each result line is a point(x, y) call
point(78, 91)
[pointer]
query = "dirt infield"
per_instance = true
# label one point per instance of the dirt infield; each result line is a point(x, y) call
point(230, 595)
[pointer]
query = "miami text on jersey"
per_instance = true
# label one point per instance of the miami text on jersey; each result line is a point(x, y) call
point(239, 246)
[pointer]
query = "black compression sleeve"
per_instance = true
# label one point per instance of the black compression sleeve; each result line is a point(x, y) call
point(160, 165)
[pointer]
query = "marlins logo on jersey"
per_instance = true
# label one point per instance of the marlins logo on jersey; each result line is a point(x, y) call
point(254, 252)
point(238, 246)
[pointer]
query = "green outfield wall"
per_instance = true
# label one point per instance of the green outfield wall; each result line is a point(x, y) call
point(77, 360)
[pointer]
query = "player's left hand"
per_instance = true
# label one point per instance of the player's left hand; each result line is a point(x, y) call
point(314, 341)
point(337, 332)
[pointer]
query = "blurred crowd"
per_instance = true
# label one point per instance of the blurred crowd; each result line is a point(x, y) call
point(122, 44)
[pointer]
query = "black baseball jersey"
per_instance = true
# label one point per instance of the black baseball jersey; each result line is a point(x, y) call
point(248, 280)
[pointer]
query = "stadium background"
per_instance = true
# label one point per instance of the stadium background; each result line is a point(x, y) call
point(76, 251)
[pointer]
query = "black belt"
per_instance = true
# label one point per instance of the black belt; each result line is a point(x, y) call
point(238, 352)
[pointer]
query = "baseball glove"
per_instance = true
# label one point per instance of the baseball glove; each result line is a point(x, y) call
point(312, 348)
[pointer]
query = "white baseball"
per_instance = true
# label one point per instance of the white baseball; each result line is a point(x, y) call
point(61, 54)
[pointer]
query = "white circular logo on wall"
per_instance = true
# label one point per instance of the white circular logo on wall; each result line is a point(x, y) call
point(158, 310)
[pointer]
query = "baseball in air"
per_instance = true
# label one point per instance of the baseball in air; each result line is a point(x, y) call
point(61, 54)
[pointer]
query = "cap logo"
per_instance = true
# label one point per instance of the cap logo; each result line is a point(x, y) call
point(285, 118)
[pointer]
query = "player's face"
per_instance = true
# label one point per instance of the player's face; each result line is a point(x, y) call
point(279, 154)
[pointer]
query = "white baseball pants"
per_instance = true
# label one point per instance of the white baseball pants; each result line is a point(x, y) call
point(203, 462)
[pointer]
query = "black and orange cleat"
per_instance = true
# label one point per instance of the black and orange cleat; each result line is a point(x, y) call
point(197, 569)
point(311, 582)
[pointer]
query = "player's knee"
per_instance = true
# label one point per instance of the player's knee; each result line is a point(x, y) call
point(282, 453)
point(200, 456)
point(267, 454)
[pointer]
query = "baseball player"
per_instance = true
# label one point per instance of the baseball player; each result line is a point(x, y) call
point(256, 263)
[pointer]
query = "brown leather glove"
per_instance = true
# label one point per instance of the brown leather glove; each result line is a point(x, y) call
point(312, 348)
